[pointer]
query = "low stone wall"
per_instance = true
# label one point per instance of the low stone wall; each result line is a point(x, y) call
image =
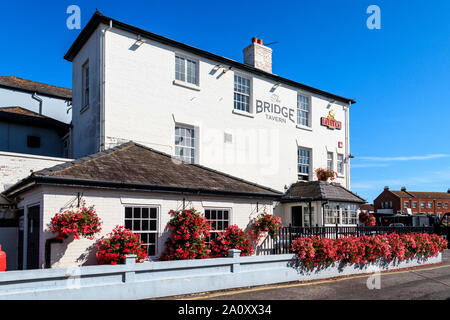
point(168, 278)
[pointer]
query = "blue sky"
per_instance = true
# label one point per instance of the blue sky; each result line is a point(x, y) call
point(399, 75)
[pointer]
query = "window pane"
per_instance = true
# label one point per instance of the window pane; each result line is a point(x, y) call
point(129, 224)
point(144, 212)
point(153, 225)
point(145, 225)
point(128, 211)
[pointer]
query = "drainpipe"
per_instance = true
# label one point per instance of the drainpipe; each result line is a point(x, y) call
point(102, 94)
point(347, 146)
point(35, 97)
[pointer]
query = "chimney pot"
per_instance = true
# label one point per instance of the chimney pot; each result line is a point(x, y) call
point(258, 56)
point(386, 188)
point(403, 188)
point(448, 190)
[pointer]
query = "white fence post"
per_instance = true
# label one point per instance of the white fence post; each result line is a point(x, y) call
point(235, 254)
point(130, 262)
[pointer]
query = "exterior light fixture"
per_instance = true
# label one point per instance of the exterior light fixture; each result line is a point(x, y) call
point(350, 156)
point(276, 85)
point(225, 69)
point(139, 42)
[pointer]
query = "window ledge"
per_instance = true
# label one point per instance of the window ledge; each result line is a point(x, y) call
point(299, 126)
point(83, 110)
point(243, 113)
point(186, 85)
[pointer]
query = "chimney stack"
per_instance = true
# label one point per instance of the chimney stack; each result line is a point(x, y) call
point(258, 55)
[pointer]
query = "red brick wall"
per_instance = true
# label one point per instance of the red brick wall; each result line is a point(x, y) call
point(386, 195)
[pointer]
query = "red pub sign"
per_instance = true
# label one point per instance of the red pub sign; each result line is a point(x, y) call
point(330, 122)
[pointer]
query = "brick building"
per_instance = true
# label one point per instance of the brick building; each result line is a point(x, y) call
point(394, 201)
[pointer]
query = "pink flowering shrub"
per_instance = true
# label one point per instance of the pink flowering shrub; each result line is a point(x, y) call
point(316, 252)
point(232, 238)
point(188, 230)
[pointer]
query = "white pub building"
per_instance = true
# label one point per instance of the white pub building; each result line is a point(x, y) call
point(261, 135)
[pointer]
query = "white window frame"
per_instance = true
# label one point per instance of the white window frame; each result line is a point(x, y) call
point(195, 130)
point(309, 165)
point(185, 81)
point(406, 204)
point(340, 164)
point(306, 119)
point(330, 162)
point(85, 90)
point(230, 218)
point(439, 205)
point(446, 205)
point(414, 205)
point(423, 204)
point(236, 92)
point(157, 231)
point(430, 205)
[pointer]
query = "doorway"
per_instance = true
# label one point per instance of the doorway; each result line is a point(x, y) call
point(297, 216)
point(33, 233)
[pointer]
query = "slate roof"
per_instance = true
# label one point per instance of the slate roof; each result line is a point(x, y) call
point(98, 18)
point(420, 194)
point(134, 166)
point(319, 190)
point(25, 116)
point(33, 86)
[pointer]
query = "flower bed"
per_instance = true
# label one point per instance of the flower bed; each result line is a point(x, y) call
point(117, 244)
point(79, 222)
point(323, 252)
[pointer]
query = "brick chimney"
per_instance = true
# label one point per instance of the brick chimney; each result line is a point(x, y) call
point(258, 55)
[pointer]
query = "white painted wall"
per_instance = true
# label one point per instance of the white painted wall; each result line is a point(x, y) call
point(142, 104)
point(56, 108)
point(110, 206)
point(17, 166)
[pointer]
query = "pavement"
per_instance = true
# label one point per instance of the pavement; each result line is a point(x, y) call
point(424, 283)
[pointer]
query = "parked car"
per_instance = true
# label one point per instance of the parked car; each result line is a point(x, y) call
point(397, 224)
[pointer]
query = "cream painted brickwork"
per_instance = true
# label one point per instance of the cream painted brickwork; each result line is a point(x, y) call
point(16, 166)
point(110, 208)
point(143, 104)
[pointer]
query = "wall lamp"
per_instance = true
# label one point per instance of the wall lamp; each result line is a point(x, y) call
point(350, 156)
point(276, 85)
point(139, 41)
point(225, 70)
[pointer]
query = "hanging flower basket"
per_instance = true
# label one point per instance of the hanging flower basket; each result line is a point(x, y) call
point(79, 222)
point(265, 223)
point(325, 174)
point(367, 218)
